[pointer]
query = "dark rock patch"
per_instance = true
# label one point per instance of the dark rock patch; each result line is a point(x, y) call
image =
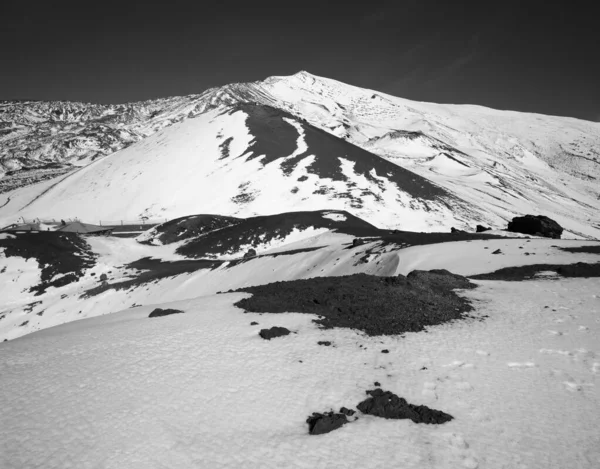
point(537, 225)
point(250, 253)
point(189, 227)
point(324, 423)
point(528, 272)
point(274, 332)
point(66, 255)
point(348, 412)
point(583, 249)
point(275, 138)
point(153, 270)
point(259, 230)
point(497, 251)
point(389, 406)
point(385, 351)
point(375, 305)
point(158, 312)
point(358, 242)
point(325, 343)
point(481, 228)
point(254, 323)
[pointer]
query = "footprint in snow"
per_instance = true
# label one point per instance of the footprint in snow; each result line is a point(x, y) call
point(460, 447)
point(429, 390)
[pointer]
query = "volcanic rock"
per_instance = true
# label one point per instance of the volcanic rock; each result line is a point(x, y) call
point(250, 253)
point(325, 423)
point(387, 405)
point(537, 225)
point(275, 331)
point(158, 312)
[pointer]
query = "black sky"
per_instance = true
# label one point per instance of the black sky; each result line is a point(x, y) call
point(526, 55)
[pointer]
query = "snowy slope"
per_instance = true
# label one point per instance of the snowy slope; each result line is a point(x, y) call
point(244, 160)
point(505, 162)
point(201, 389)
point(288, 247)
point(500, 163)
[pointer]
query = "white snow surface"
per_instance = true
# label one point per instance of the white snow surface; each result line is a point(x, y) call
point(201, 389)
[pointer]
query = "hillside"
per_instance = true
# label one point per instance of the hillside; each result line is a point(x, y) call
point(95, 370)
point(485, 165)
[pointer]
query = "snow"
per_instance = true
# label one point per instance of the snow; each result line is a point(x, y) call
point(17, 275)
point(92, 382)
point(202, 389)
point(335, 216)
point(501, 163)
point(475, 257)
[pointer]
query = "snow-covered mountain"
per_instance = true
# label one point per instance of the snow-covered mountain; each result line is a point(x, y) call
point(294, 143)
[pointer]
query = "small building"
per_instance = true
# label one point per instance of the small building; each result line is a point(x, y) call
point(21, 227)
point(85, 229)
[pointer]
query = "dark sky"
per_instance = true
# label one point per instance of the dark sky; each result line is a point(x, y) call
point(527, 55)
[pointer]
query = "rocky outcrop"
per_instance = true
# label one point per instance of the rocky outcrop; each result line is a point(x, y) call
point(536, 225)
point(251, 253)
point(387, 405)
point(158, 312)
point(325, 423)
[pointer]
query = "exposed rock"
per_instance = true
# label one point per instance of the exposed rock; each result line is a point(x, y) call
point(251, 253)
point(275, 331)
point(103, 278)
point(254, 323)
point(325, 423)
point(348, 412)
point(537, 225)
point(455, 230)
point(385, 351)
point(497, 251)
point(375, 305)
point(481, 228)
point(357, 242)
point(158, 312)
point(326, 343)
point(526, 272)
point(387, 405)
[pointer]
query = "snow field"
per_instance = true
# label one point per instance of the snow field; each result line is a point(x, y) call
point(201, 389)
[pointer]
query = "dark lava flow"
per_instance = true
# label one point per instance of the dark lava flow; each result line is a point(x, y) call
point(372, 304)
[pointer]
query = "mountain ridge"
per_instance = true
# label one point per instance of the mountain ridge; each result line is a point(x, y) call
point(505, 163)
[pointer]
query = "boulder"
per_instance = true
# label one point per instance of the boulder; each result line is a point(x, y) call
point(275, 331)
point(158, 312)
point(481, 228)
point(251, 253)
point(325, 423)
point(389, 406)
point(536, 225)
